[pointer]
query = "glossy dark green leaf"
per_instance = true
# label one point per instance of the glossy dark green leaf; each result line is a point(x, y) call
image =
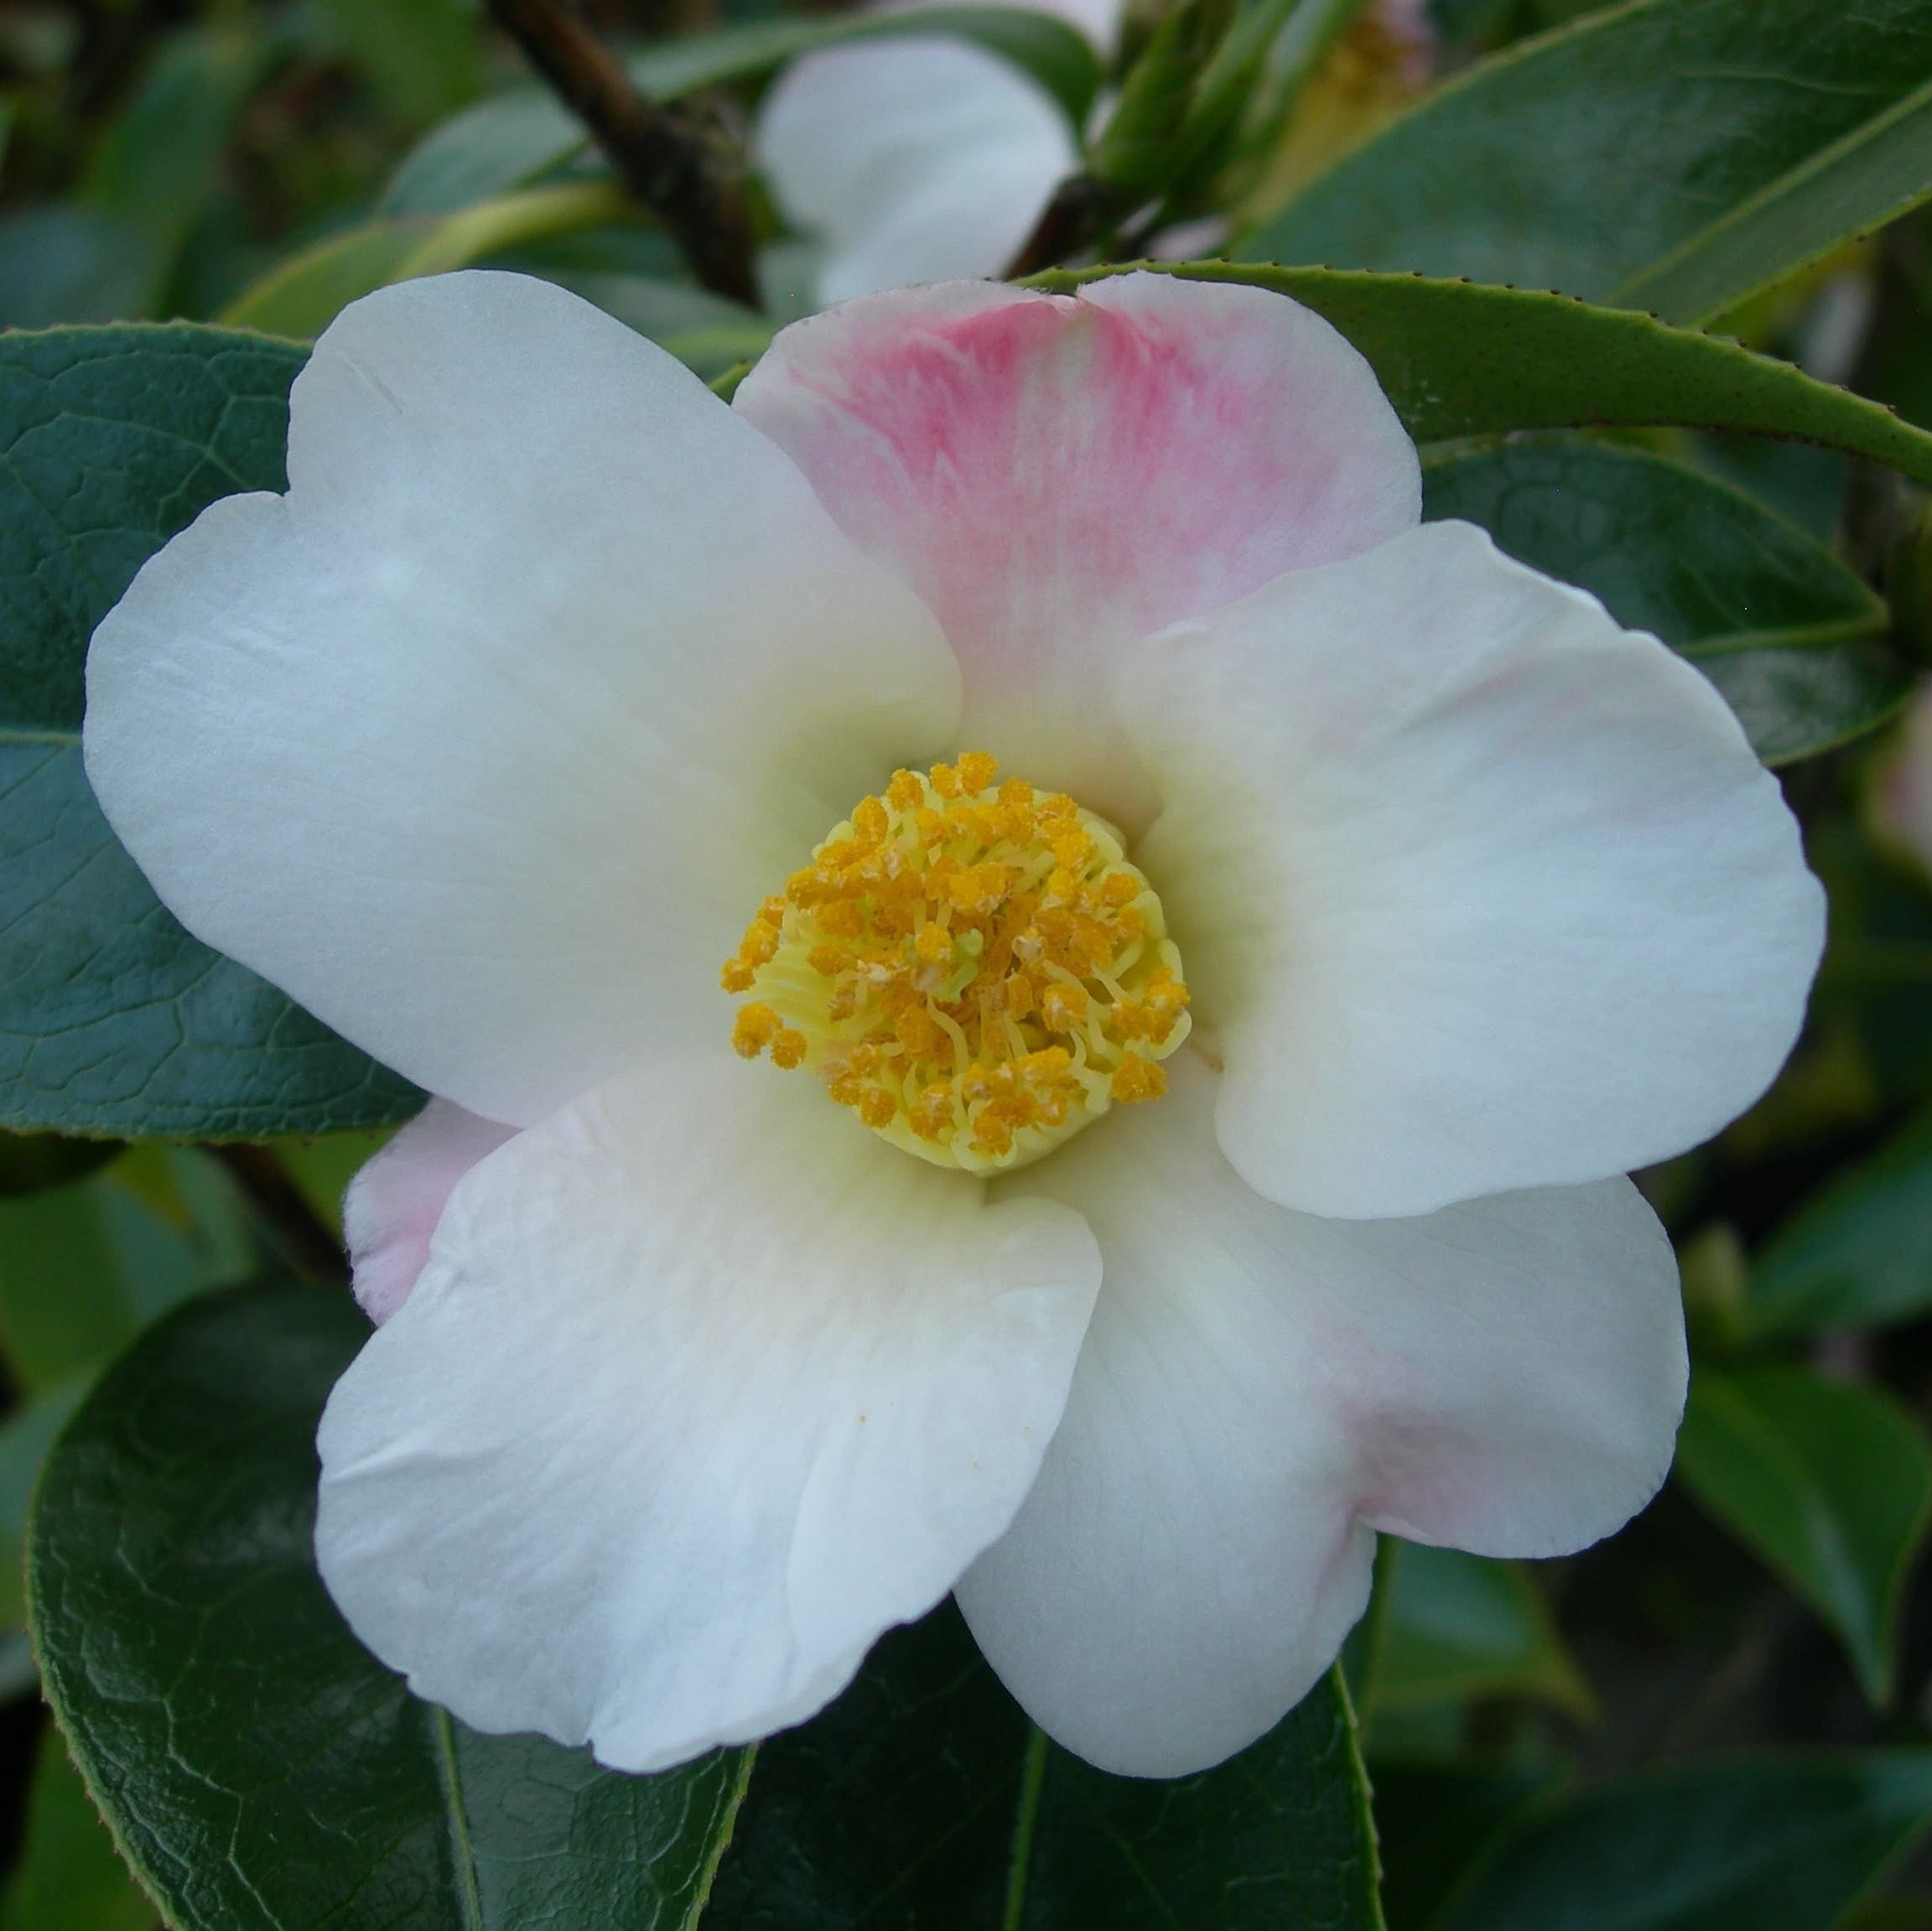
point(1795, 703)
point(923, 1801)
point(1858, 1253)
point(514, 137)
point(1675, 155)
point(1829, 1484)
point(1460, 360)
point(112, 1019)
point(1279, 1835)
point(69, 1877)
point(1769, 1846)
point(260, 1768)
point(1456, 1625)
point(1772, 617)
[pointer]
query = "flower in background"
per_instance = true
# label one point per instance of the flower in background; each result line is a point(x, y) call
point(918, 160)
point(1112, 1181)
point(1901, 795)
point(914, 160)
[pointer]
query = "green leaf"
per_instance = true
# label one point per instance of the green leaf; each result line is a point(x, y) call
point(1795, 703)
point(1459, 360)
point(425, 57)
point(923, 1801)
point(25, 1436)
point(1858, 1253)
point(1876, 172)
point(1434, 1820)
point(1772, 617)
point(260, 1768)
point(1057, 56)
point(1675, 155)
point(59, 262)
point(112, 1019)
point(512, 139)
point(502, 142)
point(70, 1878)
point(301, 296)
point(158, 164)
point(83, 1267)
point(323, 1168)
point(30, 1161)
point(1279, 1835)
point(1457, 1625)
point(65, 1302)
point(1752, 1846)
point(1829, 1485)
point(304, 293)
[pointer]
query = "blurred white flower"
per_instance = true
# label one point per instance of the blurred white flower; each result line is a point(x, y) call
point(1903, 794)
point(914, 160)
point(553, 682)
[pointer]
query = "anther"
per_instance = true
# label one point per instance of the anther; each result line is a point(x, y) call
point(929, 962)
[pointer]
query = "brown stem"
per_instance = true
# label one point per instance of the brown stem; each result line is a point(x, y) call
point(307, 1245)
point(1066, 224)
point(678, 162)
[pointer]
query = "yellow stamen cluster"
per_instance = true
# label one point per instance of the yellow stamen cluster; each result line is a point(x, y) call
point(973, 966)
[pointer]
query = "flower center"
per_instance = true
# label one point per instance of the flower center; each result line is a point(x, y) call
point(975, 968)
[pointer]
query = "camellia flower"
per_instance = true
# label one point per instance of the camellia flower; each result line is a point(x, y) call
point(1111, 1183)
point(914, 159)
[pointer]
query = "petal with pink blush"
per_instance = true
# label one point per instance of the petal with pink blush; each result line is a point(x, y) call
point(398, 1196)
point(1057, 476)
point(1259, 1389)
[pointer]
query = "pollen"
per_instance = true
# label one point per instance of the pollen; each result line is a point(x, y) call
point(971, 966)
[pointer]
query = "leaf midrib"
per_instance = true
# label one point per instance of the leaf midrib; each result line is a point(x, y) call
point(462, 1845)
point(1634, 291)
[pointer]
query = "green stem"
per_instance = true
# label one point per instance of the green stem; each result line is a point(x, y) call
point(1025, 1818)
point(510, 220)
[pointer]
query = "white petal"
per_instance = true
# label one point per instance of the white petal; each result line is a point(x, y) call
point(1260, 1387)
point(1477, 890)
point(397, 1196)
point(915, 160)
point(704, 1387)
point(485, 741)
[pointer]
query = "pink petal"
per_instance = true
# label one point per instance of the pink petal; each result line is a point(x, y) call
point(1057, 475)
point(396, 1199)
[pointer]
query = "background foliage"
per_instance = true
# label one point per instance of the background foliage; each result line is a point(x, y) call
point(1721, 1720)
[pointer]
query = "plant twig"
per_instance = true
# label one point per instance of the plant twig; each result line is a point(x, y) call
point(307, 1245)
point(675, 159)
point(1066, 225)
